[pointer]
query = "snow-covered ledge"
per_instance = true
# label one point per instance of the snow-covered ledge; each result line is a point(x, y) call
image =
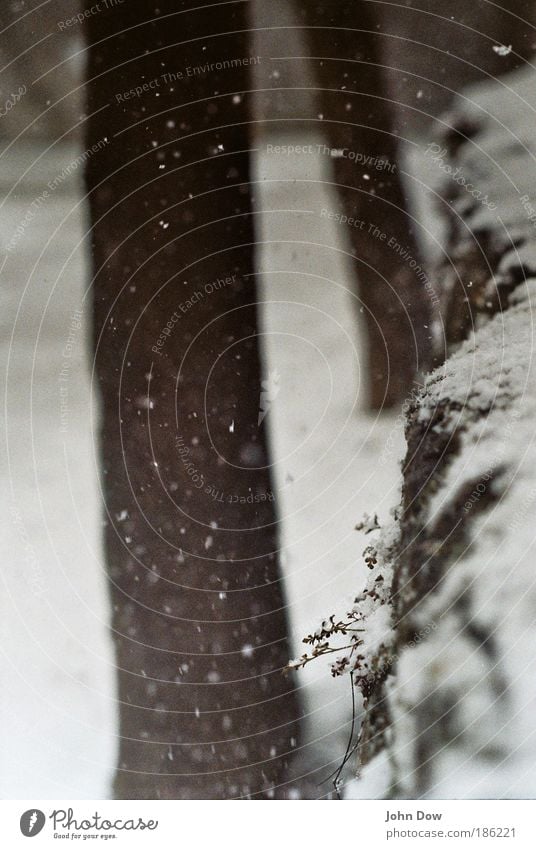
point(457, 688)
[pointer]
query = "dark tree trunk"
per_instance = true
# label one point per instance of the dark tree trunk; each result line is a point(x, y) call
point(358, 119)
point(191, 536)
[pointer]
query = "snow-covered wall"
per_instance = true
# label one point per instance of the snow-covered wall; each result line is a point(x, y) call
point(450, 688)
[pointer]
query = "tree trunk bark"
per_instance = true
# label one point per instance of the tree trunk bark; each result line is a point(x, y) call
point(358, 119)
point(191, 534)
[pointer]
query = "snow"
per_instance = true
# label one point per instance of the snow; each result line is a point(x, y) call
point(484, 700)
point(368, 524)
point(498, 570)
point(57, 704)
point(502, 49)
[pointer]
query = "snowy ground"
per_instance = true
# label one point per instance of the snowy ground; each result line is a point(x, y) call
point(57, 726)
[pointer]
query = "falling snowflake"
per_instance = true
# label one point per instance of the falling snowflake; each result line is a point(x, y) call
point(502, 49)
